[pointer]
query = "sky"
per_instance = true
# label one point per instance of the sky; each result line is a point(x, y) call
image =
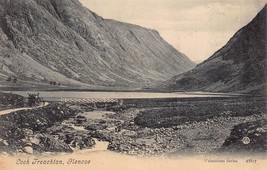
point(197, 28)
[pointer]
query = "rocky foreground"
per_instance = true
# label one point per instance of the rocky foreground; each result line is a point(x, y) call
point(195, 138)
point(26, 131)
point(68, 127)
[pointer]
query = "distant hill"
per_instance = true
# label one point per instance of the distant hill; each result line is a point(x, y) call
point(48, 41)
point(239, 66)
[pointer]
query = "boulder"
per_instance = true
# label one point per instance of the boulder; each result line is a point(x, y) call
point(28, 149)
point(247, 137)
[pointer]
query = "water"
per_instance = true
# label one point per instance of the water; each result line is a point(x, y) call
point(101, 158)
point(59, 95)
point(99, 145)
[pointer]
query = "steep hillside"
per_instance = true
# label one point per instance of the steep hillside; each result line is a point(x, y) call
point(239, 66)
point(62, 41)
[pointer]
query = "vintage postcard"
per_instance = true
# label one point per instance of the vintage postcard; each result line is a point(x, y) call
point(133, 84)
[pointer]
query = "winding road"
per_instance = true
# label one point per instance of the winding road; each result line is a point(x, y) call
point(3, 112)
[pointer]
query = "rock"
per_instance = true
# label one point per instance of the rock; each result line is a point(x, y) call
point(5, 142)
point(82, 142)
point(27, 131)
point(248, 136)
point(96, 126)
point(35, 140)
point(28, 150)
point(48, 143)
point(260, 130)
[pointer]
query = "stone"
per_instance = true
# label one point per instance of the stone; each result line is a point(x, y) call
point(28, 149)
point(35, 140)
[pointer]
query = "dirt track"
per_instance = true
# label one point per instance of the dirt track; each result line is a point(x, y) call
point(3, 112)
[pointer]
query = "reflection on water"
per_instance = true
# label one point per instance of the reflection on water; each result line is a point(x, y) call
point(57, 95)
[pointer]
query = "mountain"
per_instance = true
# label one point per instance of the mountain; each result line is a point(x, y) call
point(239, 66)
point(62, 41)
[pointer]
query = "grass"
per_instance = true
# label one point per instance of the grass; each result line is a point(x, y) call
point(9, 100)
point(188, 111)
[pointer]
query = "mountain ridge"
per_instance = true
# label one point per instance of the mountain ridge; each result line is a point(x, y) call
point(239, 66)
point(74, 46)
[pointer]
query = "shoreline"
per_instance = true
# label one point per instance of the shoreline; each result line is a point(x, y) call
point(117, 125)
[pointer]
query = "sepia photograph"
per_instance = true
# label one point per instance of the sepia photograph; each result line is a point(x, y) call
point(133, 84)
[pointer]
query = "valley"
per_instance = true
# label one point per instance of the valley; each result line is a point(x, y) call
point(75, 85)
